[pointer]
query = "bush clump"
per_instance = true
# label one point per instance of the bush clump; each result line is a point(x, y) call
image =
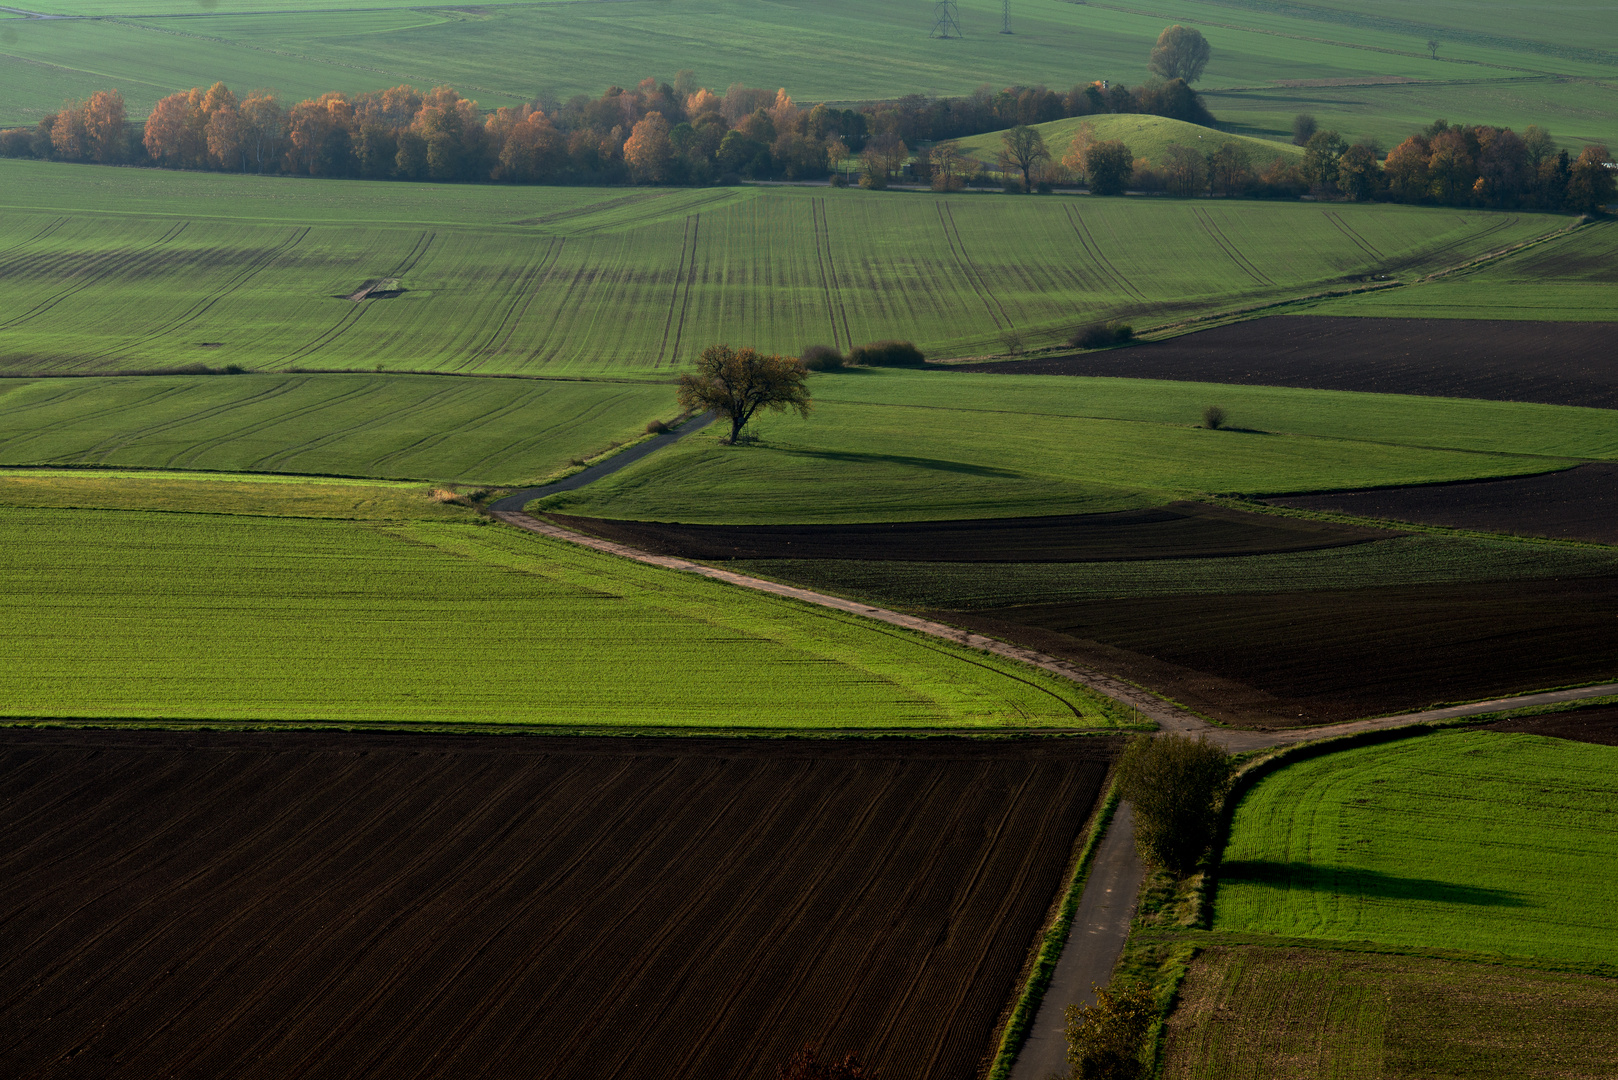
point(1101, 335)
point(1104, 1040)
point(886, 354)
point(821, 358)
point(1175, 784)
point(656, 427)
point(1213, 418)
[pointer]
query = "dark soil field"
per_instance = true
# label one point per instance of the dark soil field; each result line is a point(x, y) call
point(1596, 724)
point(1183, 530)
point(1572, 363)
point(1290, 659)
point(280, 905)
point(1575, 504)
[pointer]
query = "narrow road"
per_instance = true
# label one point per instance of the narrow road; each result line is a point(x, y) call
point(515, 502)
point(1093, 946)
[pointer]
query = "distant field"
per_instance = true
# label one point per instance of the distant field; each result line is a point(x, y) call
point(939, 445)
point(1561, 363)
point(174, 269)
point(1249, 1011)
point(1146, 136)
point(1572, 279)
point(1363, 72)
point(142, 615)
point(417, 906)
point(495, 431)
point(1482, 841)
point(223, 493)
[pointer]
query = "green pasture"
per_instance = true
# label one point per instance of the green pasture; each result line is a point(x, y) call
point(210, 616)
point(896, 445)
point(1404, 560)
point(225, 493)
point(175, 269)
point(1253, 1011)
point(838, 50)
point(494, 431)
point(1146, 136)
point(1480, 841)
point(1573, 278)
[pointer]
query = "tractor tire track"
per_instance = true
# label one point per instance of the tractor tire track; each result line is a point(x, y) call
point(1342, 226)
point(1228, 248)
point(188, 457)
point(674, 295)
point(957, 250)
point(95, 270)
point(690, 286)
point(1088, 241)
point(114, 443)
point(522, 296)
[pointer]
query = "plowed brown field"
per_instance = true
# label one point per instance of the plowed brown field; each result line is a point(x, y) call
point(1575, 504)
point(196, 905)
point(1596, 724)
point(1182, 530)
point(1293, 659)
point(1570, 363)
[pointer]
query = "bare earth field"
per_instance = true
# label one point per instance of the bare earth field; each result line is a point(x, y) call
point(1292, 659)
point(308, 905)
point(1178, 530)
point(1597, 724)
point(1575, 504)
point(1565, 363)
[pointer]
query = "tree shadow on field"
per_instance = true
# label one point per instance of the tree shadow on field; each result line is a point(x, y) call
point(1349, 881)
point(850, 457)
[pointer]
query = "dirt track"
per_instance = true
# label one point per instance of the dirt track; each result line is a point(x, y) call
point(1498, 360)
point(283, 905)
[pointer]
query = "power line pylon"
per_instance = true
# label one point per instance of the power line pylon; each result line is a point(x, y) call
point(1005, 16)
point(946, 20)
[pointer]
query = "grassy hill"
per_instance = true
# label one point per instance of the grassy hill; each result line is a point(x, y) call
point(106, 270)
point(1146, 136)
point(1363, 70)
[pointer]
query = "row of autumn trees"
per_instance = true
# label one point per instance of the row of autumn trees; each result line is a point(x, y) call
point(678, 133)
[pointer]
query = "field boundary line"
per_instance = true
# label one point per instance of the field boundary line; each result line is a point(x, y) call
point(1500, 253)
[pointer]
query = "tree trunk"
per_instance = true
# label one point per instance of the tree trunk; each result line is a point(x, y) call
point(736, 424)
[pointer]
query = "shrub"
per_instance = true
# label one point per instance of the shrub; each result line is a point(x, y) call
point(1303, 129)
point(1213, 418)
point(1175, 784)
point(1013, 343)
point(1100, 335)
point(806, 1065)
point(886, 354)
point(821, 358)
point(1104, 1040)
point(656, 427)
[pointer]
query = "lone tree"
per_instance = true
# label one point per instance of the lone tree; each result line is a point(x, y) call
point(737, 383)
point(1180, 53)
point(1025, 151)
point(1432, 47)
point(1174, 784)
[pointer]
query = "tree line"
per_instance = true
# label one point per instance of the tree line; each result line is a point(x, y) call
point(1445, 164)
point(657, 132)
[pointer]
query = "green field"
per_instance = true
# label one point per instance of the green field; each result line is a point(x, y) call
point(1575, 278)
point(894, 445)
point(224, 493)
point(1481, 841)
point(234, 616)
point(495, 431)
point(1251, 1012)
point(1405, 560)
point(183, 268)
point(1146, 136)
point(1363, 71)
